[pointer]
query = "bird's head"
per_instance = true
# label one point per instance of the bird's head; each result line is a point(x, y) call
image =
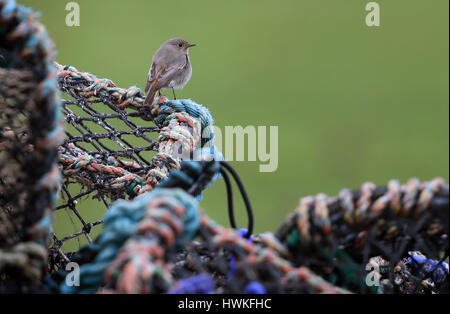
point(180, 44)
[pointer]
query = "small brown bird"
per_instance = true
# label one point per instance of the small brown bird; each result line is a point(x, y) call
point(171, 68)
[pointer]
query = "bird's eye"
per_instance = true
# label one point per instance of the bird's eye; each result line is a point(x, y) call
point(180, 45)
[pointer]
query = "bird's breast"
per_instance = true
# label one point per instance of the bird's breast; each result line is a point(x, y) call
point(181, 80)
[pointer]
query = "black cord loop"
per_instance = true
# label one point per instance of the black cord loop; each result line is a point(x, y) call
point(248, 207)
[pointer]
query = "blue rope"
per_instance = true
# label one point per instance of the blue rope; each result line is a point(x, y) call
point(233, 269)
point(438, 269)
point(199, 284)
point(254, 287)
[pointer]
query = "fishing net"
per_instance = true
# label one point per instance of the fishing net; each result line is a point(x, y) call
point(96, 154)
point(146, 168)
point(115, 147)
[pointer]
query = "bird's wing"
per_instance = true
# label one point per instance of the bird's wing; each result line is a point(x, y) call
point(153, 74)
point(162, 74)
point(171, 74)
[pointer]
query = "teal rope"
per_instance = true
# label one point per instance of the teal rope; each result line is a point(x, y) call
point(206, 164)
point(120, 225)
point(190, 107)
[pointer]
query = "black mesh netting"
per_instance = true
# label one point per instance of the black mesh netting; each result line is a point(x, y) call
point(101, 134)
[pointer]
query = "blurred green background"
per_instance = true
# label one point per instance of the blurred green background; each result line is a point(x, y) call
point(352, 103)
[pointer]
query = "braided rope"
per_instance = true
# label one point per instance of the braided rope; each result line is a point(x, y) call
point(410, 200)
point(223, 237)
point(30, 132)
point(131, 254)
point(355, 226)
point(131, 250)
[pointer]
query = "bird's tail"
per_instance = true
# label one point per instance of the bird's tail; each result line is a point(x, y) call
point(151, 94)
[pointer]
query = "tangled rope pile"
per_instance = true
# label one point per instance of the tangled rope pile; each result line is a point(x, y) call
point(390, 239)
point(150, 253)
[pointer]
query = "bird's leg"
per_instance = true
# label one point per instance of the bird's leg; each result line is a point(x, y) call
point(159, 92)
point(173, 92)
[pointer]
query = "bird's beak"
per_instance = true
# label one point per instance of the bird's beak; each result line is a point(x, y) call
point(191, 45)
